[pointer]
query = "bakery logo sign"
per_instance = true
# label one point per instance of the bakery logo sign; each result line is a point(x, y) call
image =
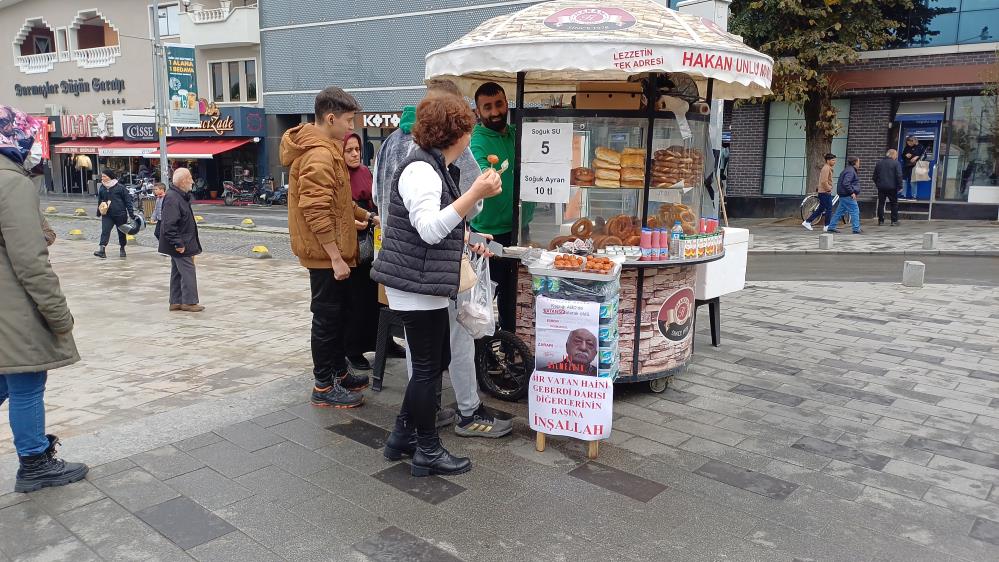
point(211, 121)
point(591, 19)
point(676, 316)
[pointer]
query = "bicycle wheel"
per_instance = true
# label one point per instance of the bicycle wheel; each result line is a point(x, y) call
point(808, 206)
point(503, 365)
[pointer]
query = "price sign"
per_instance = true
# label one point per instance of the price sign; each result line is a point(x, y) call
point(544, 182)
point(547, 142)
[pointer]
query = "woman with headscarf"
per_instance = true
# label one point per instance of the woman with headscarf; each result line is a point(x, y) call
point(364, 306)
point(114, 206)
point(36, 327)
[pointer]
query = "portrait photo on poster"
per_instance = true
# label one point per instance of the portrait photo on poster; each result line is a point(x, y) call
point(567, 336)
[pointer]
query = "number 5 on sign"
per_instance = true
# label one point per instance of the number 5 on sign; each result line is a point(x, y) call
point(547, 142)
point(544, 182)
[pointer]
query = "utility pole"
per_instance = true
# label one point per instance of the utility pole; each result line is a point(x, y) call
point(159, 84)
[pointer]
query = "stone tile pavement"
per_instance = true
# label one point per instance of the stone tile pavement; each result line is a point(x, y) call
point(786, 236)
point(838, 421)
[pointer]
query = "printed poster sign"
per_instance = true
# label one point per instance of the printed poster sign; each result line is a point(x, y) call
point(546, 158)
point(544, 182)
point(182, 86)
point(566, 397)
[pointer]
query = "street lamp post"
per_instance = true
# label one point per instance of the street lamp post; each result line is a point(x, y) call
point(159, 85)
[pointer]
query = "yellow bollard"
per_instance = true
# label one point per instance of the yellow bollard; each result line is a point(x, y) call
point(260, 252)
point(51, 210)
point(76, 234)
point(248, 223)
point(199, 218)
point(80, 212)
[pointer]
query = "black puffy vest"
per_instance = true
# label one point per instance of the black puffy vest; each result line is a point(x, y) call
point(406, 262)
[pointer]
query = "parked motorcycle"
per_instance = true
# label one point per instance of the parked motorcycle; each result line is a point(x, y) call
point(231, 194)
point(269, 195)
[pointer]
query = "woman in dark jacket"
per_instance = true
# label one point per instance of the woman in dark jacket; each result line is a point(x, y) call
point(420, 264)
point(119, 211)
point(363, 305)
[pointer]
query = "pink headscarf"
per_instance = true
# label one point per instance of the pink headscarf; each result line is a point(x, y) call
point(360, 178)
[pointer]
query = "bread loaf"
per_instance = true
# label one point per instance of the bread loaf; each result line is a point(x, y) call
point(639, 151)
point(633, 161)
point(609, 155)
point(603, 174)
point(633, 183)
point(632, 174)
point(606, 165)
point(607, 183)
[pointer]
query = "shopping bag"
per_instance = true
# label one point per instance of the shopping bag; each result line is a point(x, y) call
point(365, 246)
point(921, 171)
point(475, 306)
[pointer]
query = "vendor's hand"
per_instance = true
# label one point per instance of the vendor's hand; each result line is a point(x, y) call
point(481, 249)
point(487, 185)
point(341, 271)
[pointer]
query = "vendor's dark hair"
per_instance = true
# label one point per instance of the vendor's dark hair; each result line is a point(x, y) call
point(488, 89)
point(441, 121)
point(336, 101)
point(852, 160)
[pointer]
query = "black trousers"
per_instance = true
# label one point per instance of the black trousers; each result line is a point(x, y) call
point(892, 196)
point(329, 323)
point(504, 273)
point(362, 310)
point(428, 338)
point(107, 225)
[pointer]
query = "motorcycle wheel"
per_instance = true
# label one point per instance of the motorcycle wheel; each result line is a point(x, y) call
point(283, 200)
point(228, 200)
point(503, 366)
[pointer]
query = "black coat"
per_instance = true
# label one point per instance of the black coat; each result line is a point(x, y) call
point(177, 226)
point(888, 174)
point(120, 207)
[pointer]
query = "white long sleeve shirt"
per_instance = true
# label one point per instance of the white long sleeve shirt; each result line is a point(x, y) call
point(420, 189)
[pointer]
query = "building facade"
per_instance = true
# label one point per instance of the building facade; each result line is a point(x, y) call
point(87, 67)
point(934, 86)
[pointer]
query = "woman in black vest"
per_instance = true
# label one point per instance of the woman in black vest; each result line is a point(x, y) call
point(419, 265)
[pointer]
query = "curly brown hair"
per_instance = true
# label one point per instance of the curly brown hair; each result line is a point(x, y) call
point(441, 121)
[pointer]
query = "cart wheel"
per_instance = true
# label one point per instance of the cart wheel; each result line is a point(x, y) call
point(659, 385)
point(503, 365)
point(228, 200)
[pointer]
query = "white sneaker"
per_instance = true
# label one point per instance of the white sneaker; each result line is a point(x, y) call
point(807, 225)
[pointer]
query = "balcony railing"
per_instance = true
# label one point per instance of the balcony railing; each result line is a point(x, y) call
point(215, 15)
point(35, 64)
point(97, 57)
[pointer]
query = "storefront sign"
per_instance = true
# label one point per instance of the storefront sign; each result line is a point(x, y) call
point(546, 159)
point(676, 315)
point(380, 120)
point(217, 121)
point(182, 86)
point(566, 397)
point(98, 125)
point(75, 87)
point(139, 131)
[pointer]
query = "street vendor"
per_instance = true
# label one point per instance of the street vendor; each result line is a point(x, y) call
point(580, 351)
point(493, 142)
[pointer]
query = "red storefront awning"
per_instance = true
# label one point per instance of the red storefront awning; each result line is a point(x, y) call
point(199, 148)
point(81, 146)
point(128, 148)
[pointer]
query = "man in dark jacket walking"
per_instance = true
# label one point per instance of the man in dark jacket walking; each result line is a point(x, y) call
point(179, 240)
point(888, 179)
point(848, 189)
point(114, 199)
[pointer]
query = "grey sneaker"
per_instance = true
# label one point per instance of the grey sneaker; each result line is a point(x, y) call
point(483, 423)
point(446, 416)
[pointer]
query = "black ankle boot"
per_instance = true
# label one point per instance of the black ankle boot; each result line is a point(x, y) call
point(100, 252)
point(45, 470)
point(121, 252)
point(432, 458)
point(402, 441)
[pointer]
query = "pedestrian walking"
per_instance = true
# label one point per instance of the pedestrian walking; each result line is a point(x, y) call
point(472, 418)
point(179, 240)
point(36, 327)
point(114, 206)
point(888, 179)
point(848, 188)
point(912, 153)
point(322, 225)
point(363, 302)
point(159, 191)
point(419, 265)
point(824, 192)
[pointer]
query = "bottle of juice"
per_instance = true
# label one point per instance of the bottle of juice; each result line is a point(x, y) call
point(657, 243)
point(674, 240)
point(645, 242)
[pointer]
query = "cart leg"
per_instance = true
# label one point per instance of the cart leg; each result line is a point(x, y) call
point(714, 308)
point(539, 442)
point(592, 449)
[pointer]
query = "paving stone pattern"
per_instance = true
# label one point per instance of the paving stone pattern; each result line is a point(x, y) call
point(789, 442)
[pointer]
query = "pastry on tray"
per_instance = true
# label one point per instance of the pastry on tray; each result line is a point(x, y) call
point(607, 183)
point(582, 176)
point(605, 164)
point(603, 174)
point(609, 155)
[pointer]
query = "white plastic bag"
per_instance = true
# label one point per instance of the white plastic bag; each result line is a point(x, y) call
point(475, 306)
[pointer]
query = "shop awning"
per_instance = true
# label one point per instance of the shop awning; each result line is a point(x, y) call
point(82, 146)
point(199, 148)
point(128, 148)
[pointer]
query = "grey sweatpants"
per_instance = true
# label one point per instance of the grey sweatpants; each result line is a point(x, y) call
point(462, 367)
point(183, 280)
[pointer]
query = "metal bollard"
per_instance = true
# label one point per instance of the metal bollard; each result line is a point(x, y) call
point(825, 241)
point(930, 240)
point(913, 273)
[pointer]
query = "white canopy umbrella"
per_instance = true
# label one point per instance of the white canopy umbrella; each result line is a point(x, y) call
point(563, 42)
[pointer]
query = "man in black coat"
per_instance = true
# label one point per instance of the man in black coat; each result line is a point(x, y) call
point(888, 179)
point(179, 240)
